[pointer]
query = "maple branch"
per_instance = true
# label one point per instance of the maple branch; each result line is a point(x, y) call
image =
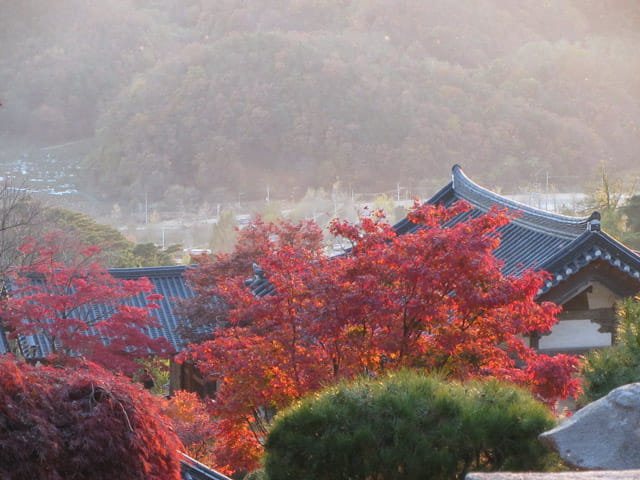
point(62, 303)
point(428, 299)
point(124, 412)
point(257, 427)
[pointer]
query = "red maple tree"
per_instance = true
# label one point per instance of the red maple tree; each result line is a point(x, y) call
point(81, 422)
point(193, 425)
point(81, 310)
point(435, 299)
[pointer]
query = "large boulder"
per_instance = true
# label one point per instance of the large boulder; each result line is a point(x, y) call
point(603, 435)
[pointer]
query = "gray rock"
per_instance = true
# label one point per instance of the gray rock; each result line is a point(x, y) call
point(604, 435)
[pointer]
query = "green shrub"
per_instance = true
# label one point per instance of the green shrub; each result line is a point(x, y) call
point(611, 367)
point(256, 475)
point(407, 426)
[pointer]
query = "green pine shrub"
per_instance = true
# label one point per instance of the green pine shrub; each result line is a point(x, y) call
point(407, 426)
point(611, 367)
point(256, 475)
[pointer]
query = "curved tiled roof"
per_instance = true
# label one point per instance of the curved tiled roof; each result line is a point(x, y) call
point(4, 345)
point(193, 470)
point(534, 238)
point(259, 284)
point(558, 244)
point(587, 248)
point(168, 282)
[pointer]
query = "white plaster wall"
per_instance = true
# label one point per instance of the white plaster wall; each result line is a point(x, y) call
point(574, 334)
point(600, 296)
point(582, 333)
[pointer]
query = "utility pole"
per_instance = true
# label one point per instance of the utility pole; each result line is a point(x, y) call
point(547, 194)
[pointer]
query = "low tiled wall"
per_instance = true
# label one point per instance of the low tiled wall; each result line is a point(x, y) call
point(588, 475)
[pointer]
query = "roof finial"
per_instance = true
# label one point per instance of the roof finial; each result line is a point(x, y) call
point(593, 224)
point(454, 169)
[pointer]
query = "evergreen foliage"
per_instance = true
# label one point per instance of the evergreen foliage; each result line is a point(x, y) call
point(116, 251)
point(611, 367)
point(22, 216)
point(407, 426)
point(256, 475)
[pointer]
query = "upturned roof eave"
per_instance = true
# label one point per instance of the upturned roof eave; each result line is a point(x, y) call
point(462, 187)
point(527, 216)
point(587, 248)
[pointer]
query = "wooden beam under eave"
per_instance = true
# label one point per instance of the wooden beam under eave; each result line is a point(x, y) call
point(595, 315)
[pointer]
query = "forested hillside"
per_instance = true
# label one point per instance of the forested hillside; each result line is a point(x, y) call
point(208, 100)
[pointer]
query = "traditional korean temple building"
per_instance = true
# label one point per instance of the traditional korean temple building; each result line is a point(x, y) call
point(590, 270)
point(168, 282)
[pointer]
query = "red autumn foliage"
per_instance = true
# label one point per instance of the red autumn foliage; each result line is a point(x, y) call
point(81, 310)
point(193, 424)
point(435, 299)
point(82, 423)
point(254, 243)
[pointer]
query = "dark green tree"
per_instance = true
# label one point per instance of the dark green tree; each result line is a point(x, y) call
point(115, 250)
point(151, 255)
point(611, 367)
point(631, 211)
point(407, 426)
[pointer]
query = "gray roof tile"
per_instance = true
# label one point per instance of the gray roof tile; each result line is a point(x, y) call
point(168, 282)
point(194, 470)
point(535, 238)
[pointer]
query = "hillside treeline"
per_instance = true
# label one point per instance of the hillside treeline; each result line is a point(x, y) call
point(207, 100)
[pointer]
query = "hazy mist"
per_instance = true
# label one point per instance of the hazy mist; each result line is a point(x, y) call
point(185, 103)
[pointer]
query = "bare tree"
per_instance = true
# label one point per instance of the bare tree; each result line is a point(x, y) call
point(609, 195)
point(20, 216)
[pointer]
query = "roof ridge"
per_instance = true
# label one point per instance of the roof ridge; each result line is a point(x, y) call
point(147, 271)
point(484, 198)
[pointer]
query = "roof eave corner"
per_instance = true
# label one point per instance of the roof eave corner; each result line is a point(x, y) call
point(593, 223)
point(455, 171)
